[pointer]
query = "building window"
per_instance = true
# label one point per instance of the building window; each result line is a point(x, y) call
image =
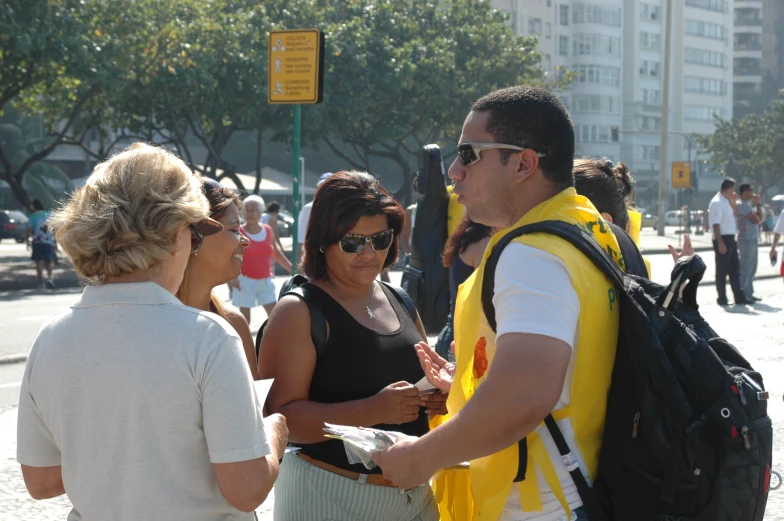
point(704, 57)
point(720, 6)
point(548, 61)
point(651, 97)
point(704, 85)
point(643, 67)
point(649, 123)
point(650, 152)
point(706, 30)
point(644, 39)
point(596, 45)
point(548, 30)
point(600, 74)
point(702, 113)
point(535, 26)
point(595, 103)
point(655, 69)
point(592, 133)
point(596, 14)
point(563, 14)
point(563, 46)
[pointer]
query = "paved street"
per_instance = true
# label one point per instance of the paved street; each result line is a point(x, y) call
point(756, 330)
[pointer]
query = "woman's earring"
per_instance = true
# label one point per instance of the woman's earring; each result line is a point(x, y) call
point(321, 249)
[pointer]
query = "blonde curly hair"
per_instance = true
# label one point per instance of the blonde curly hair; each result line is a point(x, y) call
point(127, 214)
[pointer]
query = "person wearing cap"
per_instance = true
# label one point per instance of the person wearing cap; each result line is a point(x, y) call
point(304, 216)
point(133, 404)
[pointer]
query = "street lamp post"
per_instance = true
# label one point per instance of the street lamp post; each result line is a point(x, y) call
point(665, 119)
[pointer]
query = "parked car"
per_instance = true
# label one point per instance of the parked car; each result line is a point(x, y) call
point(285, 224)
point(649, 220)
point(673, 218)
point(13, 225)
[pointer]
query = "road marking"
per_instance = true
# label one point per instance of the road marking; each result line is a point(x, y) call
point(8, 386)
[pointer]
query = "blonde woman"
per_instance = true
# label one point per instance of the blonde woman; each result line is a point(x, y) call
point(135, 405)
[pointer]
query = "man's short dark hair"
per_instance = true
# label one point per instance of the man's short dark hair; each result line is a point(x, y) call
point(727, 183)
point(273, 207)
point(745, 187)
point(533, 117)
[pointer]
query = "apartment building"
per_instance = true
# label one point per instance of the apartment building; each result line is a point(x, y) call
point(758, 54)
point(615, 50)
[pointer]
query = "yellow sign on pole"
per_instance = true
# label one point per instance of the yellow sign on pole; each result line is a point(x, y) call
point(681, 174)
point(296, 61)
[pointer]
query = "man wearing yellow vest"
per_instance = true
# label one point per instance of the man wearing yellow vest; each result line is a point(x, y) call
point(557, 328)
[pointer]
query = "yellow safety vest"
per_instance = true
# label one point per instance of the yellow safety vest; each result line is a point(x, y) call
point(482, 492)
point(454, 213)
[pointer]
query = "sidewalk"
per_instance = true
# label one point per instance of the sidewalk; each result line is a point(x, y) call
point(652, 244)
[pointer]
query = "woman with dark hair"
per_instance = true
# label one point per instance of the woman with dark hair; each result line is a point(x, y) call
point(364, 375)
point(608, 185)
point(462, 254)
point(216, 262)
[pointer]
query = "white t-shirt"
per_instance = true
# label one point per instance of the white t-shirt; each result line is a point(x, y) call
point(302, 222)
point(136, 395)
point(534, 294)
point(720, 212)
point(779, 228)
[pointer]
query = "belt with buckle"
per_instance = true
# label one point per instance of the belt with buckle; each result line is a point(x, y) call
point(372, 479)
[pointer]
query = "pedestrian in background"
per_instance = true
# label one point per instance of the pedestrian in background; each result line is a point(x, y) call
point(304, 217)
point(270, 218)
point(217, 261)
point(722, 220)
point(363, 376)
point(768, 223)
point(135, 405)
point(255, 285)
point(41, 240)
point(748, 215)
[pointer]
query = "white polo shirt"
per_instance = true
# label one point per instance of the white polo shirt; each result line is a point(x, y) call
point(720, 212)
point(779, 228)
point(136, 395)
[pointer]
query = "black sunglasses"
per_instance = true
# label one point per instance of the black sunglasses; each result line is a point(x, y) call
point(355, 243)
point(200, 229)
point(469, 153)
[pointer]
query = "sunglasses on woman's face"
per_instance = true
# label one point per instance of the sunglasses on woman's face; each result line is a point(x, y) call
point(200, 229)
point(355, 243)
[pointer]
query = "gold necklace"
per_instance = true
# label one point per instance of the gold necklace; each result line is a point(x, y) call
point(367, 307)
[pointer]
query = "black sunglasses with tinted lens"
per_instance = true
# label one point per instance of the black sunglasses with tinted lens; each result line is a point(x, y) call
point(196, 238)
point(469, 153)
point(355, 243)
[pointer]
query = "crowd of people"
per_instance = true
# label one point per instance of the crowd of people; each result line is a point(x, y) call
point(138, 400)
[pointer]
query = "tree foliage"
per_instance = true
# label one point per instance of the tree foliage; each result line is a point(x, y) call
point(751, 147)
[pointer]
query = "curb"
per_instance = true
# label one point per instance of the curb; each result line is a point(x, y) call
point(12, 359)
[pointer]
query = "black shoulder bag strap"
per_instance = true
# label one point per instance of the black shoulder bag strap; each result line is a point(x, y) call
point(591, 249)
point(318, 322)
point(404, 299)
point(632, 258)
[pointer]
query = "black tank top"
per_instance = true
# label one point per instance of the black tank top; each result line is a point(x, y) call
point(356, 364)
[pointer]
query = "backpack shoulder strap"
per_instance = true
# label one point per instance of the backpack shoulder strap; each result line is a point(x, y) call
point(404, 299)
point(318, 321)
point(568, 232)
point(632, 258)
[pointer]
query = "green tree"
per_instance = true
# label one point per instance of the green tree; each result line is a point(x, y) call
point(750, 147)
point(42, 47)
point(403, 74)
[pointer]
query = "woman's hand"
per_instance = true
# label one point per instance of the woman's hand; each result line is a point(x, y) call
point(438, 371)
point(687, 250)
point(397, 403)
point(435, 403)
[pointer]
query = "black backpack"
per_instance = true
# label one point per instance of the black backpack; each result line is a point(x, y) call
point(687, 436)
point(300, 286)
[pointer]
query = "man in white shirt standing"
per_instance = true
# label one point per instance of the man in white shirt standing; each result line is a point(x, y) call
point(722, 220)
point(304, 217)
